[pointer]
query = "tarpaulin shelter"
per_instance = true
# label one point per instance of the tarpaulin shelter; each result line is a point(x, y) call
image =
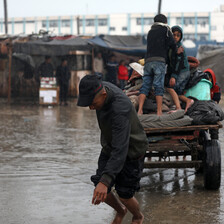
point(130, 45)
point(52, 47)
point(137, 45)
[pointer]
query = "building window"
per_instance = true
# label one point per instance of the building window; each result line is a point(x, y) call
point(146, 21)
point(44, 23)
point(65, 23)
point(203, 21)
point(53, 23)
point(189, 36)
point(186, 20)
point(102, 22)
point(203, 37)
point(124, 28)
point(89, 22)
point(189, 21)
point(18, 22)
point(29, 21)
point(179, 20)
point(112, 28)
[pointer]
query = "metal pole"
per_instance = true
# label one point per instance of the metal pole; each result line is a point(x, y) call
point(10, 69)
point(93, 61)
point(78, 27)
point(6, 16)
point(159, 6)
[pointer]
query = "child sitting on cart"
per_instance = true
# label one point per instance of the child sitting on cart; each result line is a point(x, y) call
point(178, 72)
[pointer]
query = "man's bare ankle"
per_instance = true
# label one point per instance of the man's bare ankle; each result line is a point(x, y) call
point(138, 219)
point(119, 216)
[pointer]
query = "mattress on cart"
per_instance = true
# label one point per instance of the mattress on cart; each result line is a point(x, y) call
point(175, 119)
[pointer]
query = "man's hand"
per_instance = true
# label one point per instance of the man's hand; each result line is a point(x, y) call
point(180, 50)
point(172, 82)
point(99, 194)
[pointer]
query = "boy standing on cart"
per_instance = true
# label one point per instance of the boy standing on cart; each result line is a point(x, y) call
point(159, 40)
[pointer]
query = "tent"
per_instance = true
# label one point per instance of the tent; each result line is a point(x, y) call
point(53, 47)
point(130, 45)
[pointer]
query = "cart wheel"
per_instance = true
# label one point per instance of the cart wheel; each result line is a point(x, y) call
point(212, 165)
point(203, 137)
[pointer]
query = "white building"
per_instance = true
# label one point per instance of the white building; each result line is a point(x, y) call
point(197, 26)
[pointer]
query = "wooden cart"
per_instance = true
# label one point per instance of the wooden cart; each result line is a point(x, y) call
point(192, 141)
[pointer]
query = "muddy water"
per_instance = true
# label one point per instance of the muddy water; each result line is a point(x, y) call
point(47, 156)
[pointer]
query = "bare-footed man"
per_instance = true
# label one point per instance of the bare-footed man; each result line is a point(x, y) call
point(124, 144)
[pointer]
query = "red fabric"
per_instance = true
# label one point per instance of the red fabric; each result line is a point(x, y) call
point(210, 71)
point(122, 72)
point(214, 89)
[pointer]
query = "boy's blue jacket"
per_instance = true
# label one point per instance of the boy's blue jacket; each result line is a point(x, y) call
point(177, 63)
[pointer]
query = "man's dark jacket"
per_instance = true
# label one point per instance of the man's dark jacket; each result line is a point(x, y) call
point(46, 70)
point(122, 135)
point(63, 75)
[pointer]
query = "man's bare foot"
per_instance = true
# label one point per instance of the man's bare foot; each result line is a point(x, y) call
point(189, 103)
point(138, 220)
point(119, 217)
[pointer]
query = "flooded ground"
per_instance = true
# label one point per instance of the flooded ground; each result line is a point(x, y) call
point(47, 155)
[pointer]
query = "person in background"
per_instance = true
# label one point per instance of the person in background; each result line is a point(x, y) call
point(63, 77)
point(112, 69)
point(46, 68)
point(122, 74)
point(178, 72)
point(98, 65)
point(159, 40)
point(124, 144)
point(130, 70)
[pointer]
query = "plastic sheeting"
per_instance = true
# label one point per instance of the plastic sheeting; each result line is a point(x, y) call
point(130, 45)
point(53, 48)
point(212, 57)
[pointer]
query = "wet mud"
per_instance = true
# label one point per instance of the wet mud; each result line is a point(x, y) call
point(47, 155)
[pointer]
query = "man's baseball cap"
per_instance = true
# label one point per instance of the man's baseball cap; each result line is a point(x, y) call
point(89, 86)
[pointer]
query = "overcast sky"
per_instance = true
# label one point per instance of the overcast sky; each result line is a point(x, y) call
point(25, 8)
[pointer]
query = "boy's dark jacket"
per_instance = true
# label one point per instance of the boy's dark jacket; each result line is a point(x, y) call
point(122, 135)
point(177, 62)
point(159, 40)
